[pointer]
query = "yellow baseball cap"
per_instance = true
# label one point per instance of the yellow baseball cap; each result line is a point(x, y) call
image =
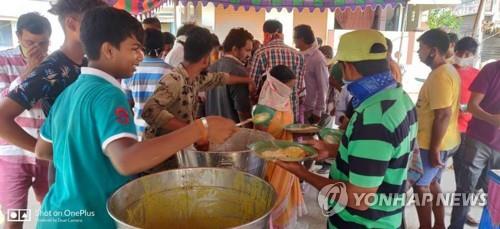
point(356, 46)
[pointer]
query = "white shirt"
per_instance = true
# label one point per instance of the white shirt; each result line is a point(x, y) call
point(341, 103)
point(176, 55)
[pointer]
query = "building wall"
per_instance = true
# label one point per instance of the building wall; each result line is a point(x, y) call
point(467, 25)
point(316, 19)
point(226, 19)
point(490, 48)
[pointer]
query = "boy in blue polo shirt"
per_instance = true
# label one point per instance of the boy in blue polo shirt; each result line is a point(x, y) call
point(90, 132)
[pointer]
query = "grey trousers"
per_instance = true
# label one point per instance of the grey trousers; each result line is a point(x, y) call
point(473, 160)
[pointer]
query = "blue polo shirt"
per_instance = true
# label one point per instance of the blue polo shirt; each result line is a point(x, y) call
point(86, 117)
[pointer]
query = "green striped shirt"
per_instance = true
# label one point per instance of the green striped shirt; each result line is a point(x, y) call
point(374, 153)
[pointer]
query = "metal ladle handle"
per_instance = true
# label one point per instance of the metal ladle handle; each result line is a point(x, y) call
point(244, 122)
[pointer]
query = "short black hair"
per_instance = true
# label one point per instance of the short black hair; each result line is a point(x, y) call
point(153, 42)
point(107, 24)
point(238, 38)
point(453, 37)
point(371, 67)
point(282, 73)
point(215, 40)
point(305, 33)
point(272, 26)
point(436, 38)
point(389, 45)
point(185, 29)
point(154, 21)
point(319, 41)
point(199, 44)
point(64, 8)
point(467, 44)
point(34, 23)
point(327, 51)
point(168, 38)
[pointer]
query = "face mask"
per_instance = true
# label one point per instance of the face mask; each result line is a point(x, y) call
point(464, 62)
point(429, 60)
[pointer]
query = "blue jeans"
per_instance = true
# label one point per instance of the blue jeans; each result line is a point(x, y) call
point(476, 158)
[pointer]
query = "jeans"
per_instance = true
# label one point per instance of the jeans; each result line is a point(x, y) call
point(473, 159)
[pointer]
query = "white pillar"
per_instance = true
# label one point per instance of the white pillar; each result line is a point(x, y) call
point(208, 16)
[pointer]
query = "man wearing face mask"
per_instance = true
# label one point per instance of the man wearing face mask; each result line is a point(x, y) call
point(372, 158)
point(465, 56)
point(19, 169)
point(438, 135)
point(232, 101)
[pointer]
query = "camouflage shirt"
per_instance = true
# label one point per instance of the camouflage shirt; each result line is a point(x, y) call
point(176, 96)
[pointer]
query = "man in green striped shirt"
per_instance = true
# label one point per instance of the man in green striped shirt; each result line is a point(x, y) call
point(372, 160)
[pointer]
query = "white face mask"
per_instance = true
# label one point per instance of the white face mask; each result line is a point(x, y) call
point(465, 62)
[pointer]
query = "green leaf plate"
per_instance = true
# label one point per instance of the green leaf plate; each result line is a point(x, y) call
point(302, 129)
point(331, 136)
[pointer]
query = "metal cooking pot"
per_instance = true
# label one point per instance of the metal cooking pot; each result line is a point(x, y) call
point(232, 154)
point(194, 198)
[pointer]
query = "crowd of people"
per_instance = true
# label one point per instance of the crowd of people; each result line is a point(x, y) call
point(120, 98)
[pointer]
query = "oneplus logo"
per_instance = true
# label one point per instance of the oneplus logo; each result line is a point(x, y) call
point(18, 215)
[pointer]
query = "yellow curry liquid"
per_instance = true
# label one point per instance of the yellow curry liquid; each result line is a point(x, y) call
point(200, 207)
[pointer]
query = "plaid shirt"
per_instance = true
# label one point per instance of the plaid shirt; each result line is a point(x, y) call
point(12, 65)
point(277, 53)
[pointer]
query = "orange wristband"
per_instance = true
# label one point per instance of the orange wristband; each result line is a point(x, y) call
point(203, 128)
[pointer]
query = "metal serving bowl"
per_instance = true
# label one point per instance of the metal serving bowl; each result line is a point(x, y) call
point(194, 198)
point(232, 154)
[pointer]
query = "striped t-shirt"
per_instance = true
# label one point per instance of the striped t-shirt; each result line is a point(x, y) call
point(142, 85)
point(12, 65)
point(374, 153)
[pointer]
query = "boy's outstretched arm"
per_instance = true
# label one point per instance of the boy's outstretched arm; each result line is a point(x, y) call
point(130, 157)
point(356, 195)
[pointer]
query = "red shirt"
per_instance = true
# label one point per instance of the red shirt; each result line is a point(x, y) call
point(467, 76)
